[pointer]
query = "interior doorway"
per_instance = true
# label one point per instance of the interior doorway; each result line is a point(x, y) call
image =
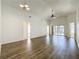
point(58, 30)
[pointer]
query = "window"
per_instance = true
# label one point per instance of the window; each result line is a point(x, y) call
point(58, 30)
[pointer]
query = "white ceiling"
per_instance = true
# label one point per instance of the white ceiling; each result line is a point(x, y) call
point(43, 7)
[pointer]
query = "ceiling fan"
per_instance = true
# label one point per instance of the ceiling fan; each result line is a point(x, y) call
point(52, 14)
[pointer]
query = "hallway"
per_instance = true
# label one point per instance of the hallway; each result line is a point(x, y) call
point(39, 29)
point(50, 47)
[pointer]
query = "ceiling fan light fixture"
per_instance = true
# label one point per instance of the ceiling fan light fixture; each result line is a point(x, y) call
point(28, 9)
point(21, 5)
point(26, 6)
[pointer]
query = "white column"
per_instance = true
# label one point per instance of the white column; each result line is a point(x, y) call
point(50, 29)
point(67, 30)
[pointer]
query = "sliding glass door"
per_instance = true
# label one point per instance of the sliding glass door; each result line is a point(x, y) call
point(58, 30)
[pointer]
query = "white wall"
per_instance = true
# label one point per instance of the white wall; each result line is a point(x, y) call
point(38, 27)
point(0, 27)
point(14, 27)
point(12, 24)
point(77, 26)
point(70, 19)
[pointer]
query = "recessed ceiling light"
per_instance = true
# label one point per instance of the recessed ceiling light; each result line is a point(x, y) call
point(26, 6)
point(21, 5)
point(28, 9)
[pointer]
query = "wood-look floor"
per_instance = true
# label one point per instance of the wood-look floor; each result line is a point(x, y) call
point(53, 47)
